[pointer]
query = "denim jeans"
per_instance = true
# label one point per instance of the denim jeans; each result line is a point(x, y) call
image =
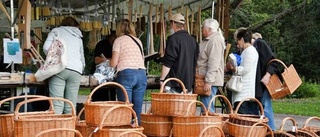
point(268, 110)
point(135, 83)
point(206, 99)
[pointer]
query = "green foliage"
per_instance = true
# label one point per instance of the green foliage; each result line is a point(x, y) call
point(307, 89)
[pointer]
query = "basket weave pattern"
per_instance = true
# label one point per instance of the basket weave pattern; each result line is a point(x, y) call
point(63, 132)
point(82, 126)
point(314, 129)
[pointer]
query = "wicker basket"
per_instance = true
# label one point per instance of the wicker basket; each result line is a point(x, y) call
point(295, 133)
point(95, 110)
point(155, 125)
point(193, 125)
point(314, 129)
point(63, 132)
point(256, 130)
point(291, 79)
point(167, 104)
point(6, 120)
point(81, 125)
point(131, 133)
point(211, 131)
point(30, 125)
point(114, 131)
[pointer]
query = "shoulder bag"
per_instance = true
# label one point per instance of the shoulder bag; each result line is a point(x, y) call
point(235, 83)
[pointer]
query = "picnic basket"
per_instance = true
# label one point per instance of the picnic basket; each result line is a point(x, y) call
point(64, 132)
point(95, 110)
point(211, 131)
point(104, 130)
point(168, 104)
point(295, 131)
point(311, 128)
point(156, 125)
point(30, 125)
point(192, 125)
point(6, 120)
point(291, 81)
point(81, 125)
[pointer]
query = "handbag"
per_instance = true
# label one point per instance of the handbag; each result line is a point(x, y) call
point(235, 83)
point(199, 83)
point(56, 60)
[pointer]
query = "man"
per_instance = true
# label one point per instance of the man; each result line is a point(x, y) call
point(180, 56)
point(264, 72)
point(211, 59)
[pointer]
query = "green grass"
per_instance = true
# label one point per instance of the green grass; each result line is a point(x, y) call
point(84, 91)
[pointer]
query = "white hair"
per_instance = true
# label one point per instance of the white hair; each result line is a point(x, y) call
point(213, 25)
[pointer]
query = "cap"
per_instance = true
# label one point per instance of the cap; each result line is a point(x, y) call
point(178, 17)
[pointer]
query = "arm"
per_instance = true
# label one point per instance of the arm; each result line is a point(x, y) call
point(248, 60)
point(115, 59)
point(49, 40)
point(214, 52)
point(82, 56)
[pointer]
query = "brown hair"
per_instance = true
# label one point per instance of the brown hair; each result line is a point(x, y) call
point(125, 27)
point(69, 21)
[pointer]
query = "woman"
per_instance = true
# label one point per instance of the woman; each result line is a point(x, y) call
point(247, 70)
point(66, 83)
point(128, 57)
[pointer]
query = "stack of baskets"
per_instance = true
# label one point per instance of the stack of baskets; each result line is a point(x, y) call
point(109, 118)
point(311, 128)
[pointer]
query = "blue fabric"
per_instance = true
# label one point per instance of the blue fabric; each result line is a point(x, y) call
point(268, 110)
point(206, 99)
point(135, 83)
point(238, 58)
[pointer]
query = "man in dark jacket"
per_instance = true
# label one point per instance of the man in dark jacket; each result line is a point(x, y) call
point(180, 56)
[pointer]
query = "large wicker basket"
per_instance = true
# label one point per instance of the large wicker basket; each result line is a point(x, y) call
point(81, 125)
point(294, 133)
point(103, 130)
point(291, 81)
point(311, 128)
point(211, 131)
point(155, 125)
point(95, 110)
point(6, 120)
point(193, 125)
point(63, 132)
point(30, 125)
point(167, 104)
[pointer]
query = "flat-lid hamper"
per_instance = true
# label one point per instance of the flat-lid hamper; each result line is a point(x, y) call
point(104, 130)
point(312, 128)
point(63, 132)
point(169, 104)
point(211, 131)
point(291, 81)
point(191, 126)
point(82, 126)
point(6, 120)
point(95, 110)
point(30, 125)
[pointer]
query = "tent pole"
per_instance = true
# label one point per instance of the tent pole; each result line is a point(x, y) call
point(212, 10)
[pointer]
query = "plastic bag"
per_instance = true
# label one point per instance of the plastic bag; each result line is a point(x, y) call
point(104, 72)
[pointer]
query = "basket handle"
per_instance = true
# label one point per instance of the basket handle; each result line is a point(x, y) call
point(209, 127)
point(294, 127)
point(25, 97)
point(16, 112)
point(257, 124)
point(248, 99)
point(225, 99)
point(79, 115)
point(109, 83)
point(118, 107)
point(57, 130)
point(133, 132)
point(308, 120)
point(196, 101)
point(278, 60)
point(184, 90)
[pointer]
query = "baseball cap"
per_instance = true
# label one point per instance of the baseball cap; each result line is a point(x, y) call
point(178, 17)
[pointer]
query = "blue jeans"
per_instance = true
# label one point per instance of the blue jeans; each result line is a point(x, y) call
point(206, 99)
point(267, 106)
point(135, 83)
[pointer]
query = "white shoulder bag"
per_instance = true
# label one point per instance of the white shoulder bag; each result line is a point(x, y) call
point(235, 83)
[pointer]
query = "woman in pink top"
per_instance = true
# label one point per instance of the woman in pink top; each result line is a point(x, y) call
point(128, 58)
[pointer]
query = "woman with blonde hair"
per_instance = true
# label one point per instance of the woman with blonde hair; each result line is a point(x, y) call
point(128, 58)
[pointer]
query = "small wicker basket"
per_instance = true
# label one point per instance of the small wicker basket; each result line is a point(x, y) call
point(193, 125)
point(30, 125)
point(81, 125)
point(130, 133)
point(95, 110)
point(6, 120)
point(167, 104)
point(63, 132)
point(314, 129)
point(211, 131)
point(291, 79)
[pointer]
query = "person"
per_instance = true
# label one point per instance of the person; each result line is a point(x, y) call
point(66, 84)
point(104, 47)
point(128, 58)
point(180, 58)
point(264, 72)
point(247, 70)
point(211, 59)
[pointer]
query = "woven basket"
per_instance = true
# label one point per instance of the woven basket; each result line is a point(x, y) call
point(95, 110)
point(295, 133)
point(193, 125)
point(115, 131)
point(131, 133)
point(6, 120)
point(314, 129)
point(211, 131)
point(256, 130)
point(30, 125)
point(81, 125)
point(291, 79)
point(167, 104)
point(63, 132)
point(155, 125)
